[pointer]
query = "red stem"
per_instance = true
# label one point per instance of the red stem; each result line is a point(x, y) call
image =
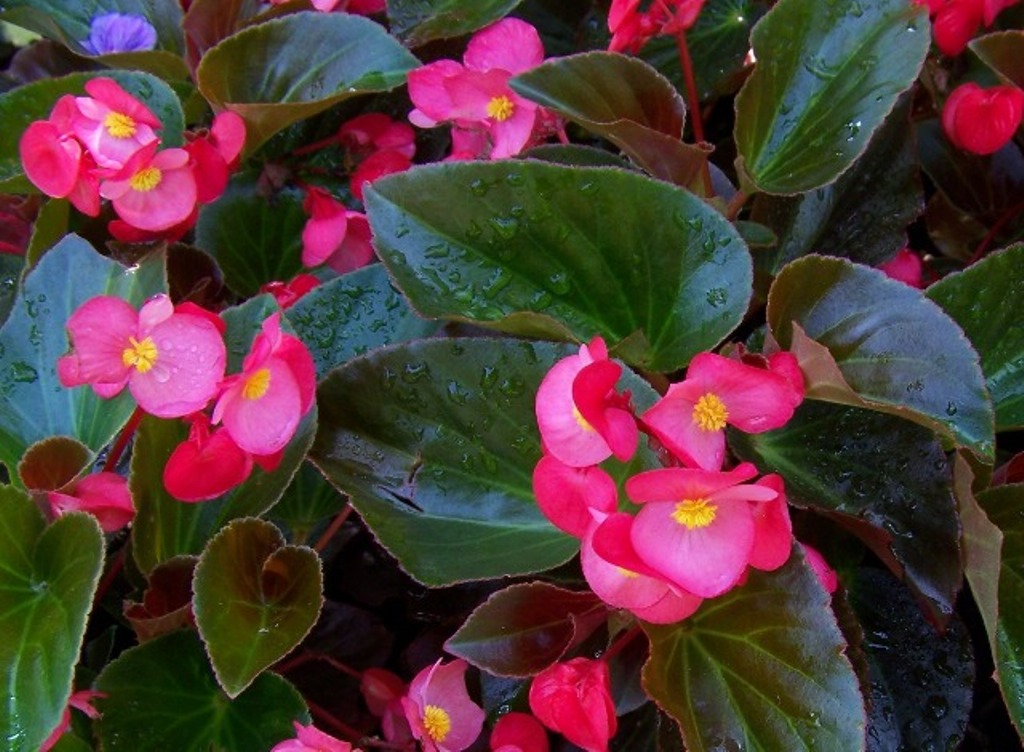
point(627, 637)
point(337, 726)
point(693, 102)
point(316, 145)
point(108, 579)
point(122, 441)
point(334, 527)
point(982, 248)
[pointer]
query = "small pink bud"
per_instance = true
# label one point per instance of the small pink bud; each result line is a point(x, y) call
point(982, 121)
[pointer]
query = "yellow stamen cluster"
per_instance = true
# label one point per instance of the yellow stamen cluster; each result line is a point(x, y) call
point(146, 179)
point(694, 513)
point(139, 355)
point(257, 384)
point(119, 125)
point(500, 108)
point(710, 413)
point(436, 722)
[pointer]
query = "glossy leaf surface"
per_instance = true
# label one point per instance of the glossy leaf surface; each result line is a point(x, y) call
point(542, 249)
point(864, 339)
point(761, 667)
point(826, 79)
point(48, 575)
point(416, 22)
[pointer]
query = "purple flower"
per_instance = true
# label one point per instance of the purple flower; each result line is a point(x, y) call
point(119, 32)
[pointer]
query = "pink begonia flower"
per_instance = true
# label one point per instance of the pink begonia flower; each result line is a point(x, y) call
point(621, 579)
point(112, 124)
point(906, 266)
point(982, 121)
point(81, 700)
point(574, 699)
point(690, 419)
point(356, 250)
point(476, 94)
point(214, 154)
point(103, 495)
point(375, 131)
point(582, 420)
point(773, 529)
point(383, 692)
point(519, 732)
point(155, 190)
point(171, 362)
point(696, 527)
point(205, 465)
point(261, 407)
point(440, 713)
point(571, 496)
point(289, 293)
point(375, 166)
point(826, 575)
point(631, 28)
point(311, 739)
point(325, 229)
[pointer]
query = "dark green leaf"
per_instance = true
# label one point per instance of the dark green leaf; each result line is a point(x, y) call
point(48, 576)
point(976, 299)
point(33, 404)
point(825, 79)
point(523, 629)
point(866, 340)
point(163, 696)
point(307, 500)
point(11, 267)
point(886, 478)
point(419, 21)
point(25, 104)
point(435, 441)
point(1003, 52)
point(207, 22)
point(1005, 507)
point(255, 599)
point(921, 679)
point(761, 667)
point(542, 249)
point(352, 315)
point(576, 155)
point(254, 240)
point(50, 227)
point(272, 82)
point(625, 101)
point(863, 216)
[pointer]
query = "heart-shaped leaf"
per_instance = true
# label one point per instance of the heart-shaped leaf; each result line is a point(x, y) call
point(53, 463)
point(866, 340)
point(624, 100)
point(167, 601)
point(1003, 52)
point(976, 299)
point(34, 405)
point(48, 577)
point(416, 22)
point(885, 478)
point(255, 599)
point(272, 82)
point(541, 249)
point(826, 78)
point(353, 314)
point(761, 667)
point(163, 695)
point(523, 629)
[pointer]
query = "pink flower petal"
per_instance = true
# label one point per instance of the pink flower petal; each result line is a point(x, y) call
point(773, 529)
point(262, 408)
point(104, 495)
point(510, 45)
point(50, 161)
point(428, 92)
point(198, 470)
point(567, 495)
point(99, 330)
point(443, 688)
point(356, 249)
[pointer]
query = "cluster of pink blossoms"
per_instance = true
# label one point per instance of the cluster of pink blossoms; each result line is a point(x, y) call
point(694, 528)
point(172, 359)
point(955, 22)
point(105, 146)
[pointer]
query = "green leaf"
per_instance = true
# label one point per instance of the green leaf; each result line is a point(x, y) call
point(418, 21)
point(825, 79)
point(33, 404)
point(48, 577)
point(886, 479)
point(255, 599)
point(52, 463)
point(761, 667)
point(866, 340)
point(207, 22)
point(353, 314)
point(863, 216)
point(25, 104)
point(254, 240)
point(272, 82)
point(435, 441)
point(523, 629)
point(546, 250)
point(1005, 507)
point(307, 500)
point(623, 100)
point(1003, 52)
point(921, 699)
point(976, 299)
point(163, 695)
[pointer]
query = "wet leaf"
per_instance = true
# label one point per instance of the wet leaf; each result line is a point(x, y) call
point(826, 78)
point(761, 667)
point(417, 21)
point(48, 576)
point(551, 251)
point(866, 340)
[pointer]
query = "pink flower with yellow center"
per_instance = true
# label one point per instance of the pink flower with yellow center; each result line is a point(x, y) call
point(440, 713)
point(172, 362)
point(690, 419)
point(155, 190)
point(112, 124)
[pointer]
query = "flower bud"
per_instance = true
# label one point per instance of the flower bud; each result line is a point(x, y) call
point(980, 120)
point(574, 699)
